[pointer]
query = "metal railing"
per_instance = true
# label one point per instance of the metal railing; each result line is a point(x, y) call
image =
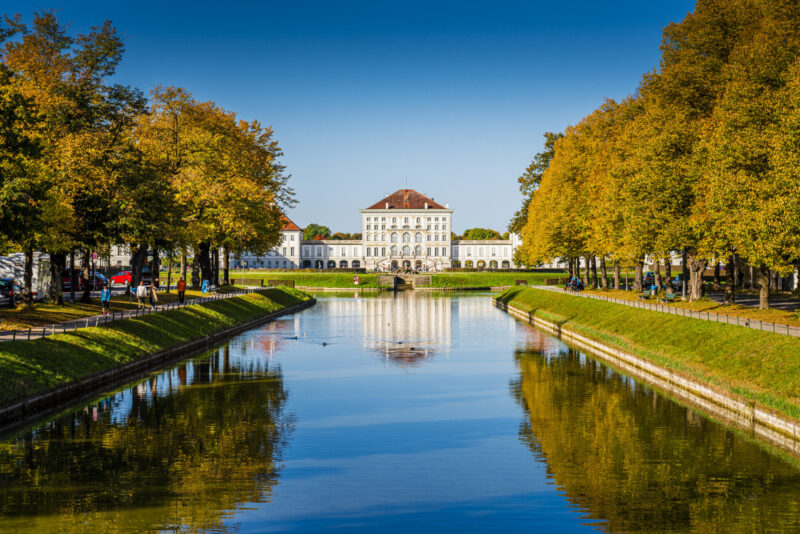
point(755, 324)
point(99, 320)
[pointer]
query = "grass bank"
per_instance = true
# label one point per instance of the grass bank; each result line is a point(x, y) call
point(759, 366)
point(489, 279)
point(312, 279)
point(30, 367)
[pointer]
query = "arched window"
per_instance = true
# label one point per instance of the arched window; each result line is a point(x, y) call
point(506, 264)
point(394, 220)
point(394, 250)
point(418, 220)
point(343, 264)
point(406, 251)
point(331, 264)
point(418, 237)
point(493, 264)
point(418, 251)
point(406, 237)
point(356, 264)
point(394, 237)
point(369, 237)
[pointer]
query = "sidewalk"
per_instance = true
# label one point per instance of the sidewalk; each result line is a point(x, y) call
point(786, 330)
point(98, 320)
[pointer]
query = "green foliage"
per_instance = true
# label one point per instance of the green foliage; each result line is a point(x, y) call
point(480, 233)
point(313, 230)
point(531, 179)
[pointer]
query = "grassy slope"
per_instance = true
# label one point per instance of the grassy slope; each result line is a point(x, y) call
point(489, 279)
point(44, 313)
point(757, 365)
point(456, 279)
point(28, 367)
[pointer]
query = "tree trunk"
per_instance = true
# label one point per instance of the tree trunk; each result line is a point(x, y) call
point(668, 274)
point(226, 268)
point(57, 263)
point(137, 265)
point(717, 281)
point(657, 270)
point(72, 278)
point(169, 270)
point(27, 293)
point(774, 283)
point(155, 268)
point(639, 279)
point(696, 269)
point(204, 250)
point(616, 274)
point(215, 266)
point(183, 263)
point(86, 261)
point(593, 262)
point(577, 267)
point(195, 269)
point(603, 273)
point(730, 281)
point(763, 293)
point(586, 271)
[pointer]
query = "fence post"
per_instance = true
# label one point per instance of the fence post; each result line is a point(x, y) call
point(14, 334)
point(29, 334)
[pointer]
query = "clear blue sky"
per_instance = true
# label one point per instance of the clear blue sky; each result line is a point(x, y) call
point(452, 96)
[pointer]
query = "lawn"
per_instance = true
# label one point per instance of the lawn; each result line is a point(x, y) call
point(45, 313)
point(758, 365)
point(771, 315)
point(29, 367)
point(490, 279)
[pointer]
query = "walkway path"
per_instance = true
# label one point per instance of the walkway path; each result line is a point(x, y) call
point(784, 329)
point(779, 302)
point(97, 320)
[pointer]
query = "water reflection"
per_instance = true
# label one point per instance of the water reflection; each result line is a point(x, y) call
point(180, 450)
point(638, 462)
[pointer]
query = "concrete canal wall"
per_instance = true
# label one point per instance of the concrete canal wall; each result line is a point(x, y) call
point(763, 423)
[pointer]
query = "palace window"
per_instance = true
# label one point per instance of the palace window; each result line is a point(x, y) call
point(435, 226)
point(394, 220)
point(418, 237)
point(368, 251)
point(406, 250)
point(418, 221)
point(429, 251)
point(269, 264)
point(383, 251)
point(429, 226)
point(394, 237)
point(418, 251)
point(444, 251)
point(394, 250)
point(406, 237)
point(369, 237)
point(444, 227)
point(344, 251)
point(368, 227)
point(291, 237)
point(405, 220)
point(436, 252)
point(383, 227)
point(283, 251)
point(429, 237)
point(291, 251)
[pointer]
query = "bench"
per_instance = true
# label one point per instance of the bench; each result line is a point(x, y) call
point(669, 297)
point(644, 296)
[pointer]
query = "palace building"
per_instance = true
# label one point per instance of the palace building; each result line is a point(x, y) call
point(403, 230)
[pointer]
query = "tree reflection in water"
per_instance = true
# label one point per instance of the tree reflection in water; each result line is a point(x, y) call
point(638, 462)
point(177, 451)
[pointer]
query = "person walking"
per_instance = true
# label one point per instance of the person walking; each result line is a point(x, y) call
point(141, 294)
point(181, 289)
point(153, 295)
point(105, 298)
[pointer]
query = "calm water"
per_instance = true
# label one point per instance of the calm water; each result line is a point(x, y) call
point(380, 414)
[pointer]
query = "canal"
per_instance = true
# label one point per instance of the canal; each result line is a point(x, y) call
point(382, 413)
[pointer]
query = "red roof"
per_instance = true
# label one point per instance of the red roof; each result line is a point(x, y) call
point(406, 199)
point(289, 225)
point(318, 238)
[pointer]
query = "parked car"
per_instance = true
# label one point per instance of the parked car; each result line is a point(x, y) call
point(677, 282)
point(649, 279)
point(10, 294)
point(126, 277)
point(96, 280)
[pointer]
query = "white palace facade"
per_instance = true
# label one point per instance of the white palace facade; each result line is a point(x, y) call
point(405, 229)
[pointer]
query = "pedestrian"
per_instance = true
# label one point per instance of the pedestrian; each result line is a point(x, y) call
point(205, 287)
point(181, 289)
point(141, 294)
point(105, 298)
point(153, 295)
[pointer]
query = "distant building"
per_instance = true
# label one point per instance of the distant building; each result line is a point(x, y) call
point(404, 229)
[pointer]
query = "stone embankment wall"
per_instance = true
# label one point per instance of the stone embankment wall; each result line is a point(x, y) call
point(778, 429)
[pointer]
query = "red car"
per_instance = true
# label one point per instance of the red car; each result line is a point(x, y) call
point(122, 278)
point(126, 277)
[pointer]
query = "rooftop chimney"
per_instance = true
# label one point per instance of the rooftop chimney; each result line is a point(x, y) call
point(447, 205)
point(387, 205)
point(426, 205)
